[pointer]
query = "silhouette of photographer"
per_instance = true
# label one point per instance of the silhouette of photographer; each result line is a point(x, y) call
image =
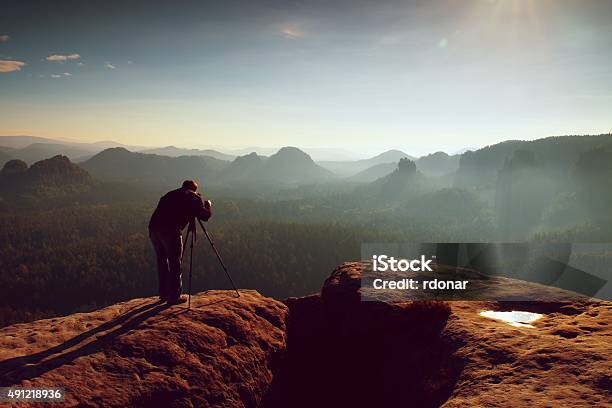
point(174, 211)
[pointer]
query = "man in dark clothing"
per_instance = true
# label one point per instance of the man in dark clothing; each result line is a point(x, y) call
point(173, 213)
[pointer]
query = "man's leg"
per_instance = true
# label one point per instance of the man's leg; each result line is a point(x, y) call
point(174, 249)
point(163, 272)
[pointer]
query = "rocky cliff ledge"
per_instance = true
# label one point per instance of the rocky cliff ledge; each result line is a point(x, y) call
point(324, 350)
point(142, 353)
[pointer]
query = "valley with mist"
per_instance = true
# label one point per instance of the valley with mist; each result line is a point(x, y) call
point(73, 220)
point(272, 204)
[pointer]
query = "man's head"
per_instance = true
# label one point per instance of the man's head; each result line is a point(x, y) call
point(190, 185)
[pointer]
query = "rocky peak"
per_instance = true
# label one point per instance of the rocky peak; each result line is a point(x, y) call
point(58, 168)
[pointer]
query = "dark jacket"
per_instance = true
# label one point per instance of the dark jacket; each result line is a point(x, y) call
point(177, 208)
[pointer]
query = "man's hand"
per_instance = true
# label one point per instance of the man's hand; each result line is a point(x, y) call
point(206, 211)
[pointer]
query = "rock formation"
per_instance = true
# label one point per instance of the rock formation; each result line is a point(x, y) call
point(56, 176)
point(325, 350)
point(429, 354)
point(145, 354)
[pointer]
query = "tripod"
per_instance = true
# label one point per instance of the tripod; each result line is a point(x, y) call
point(192, 229)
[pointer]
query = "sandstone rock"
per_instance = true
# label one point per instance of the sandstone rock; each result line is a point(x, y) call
point(397, 353)
point(325, 350)
point(143, 353)
point(344, 352)
point(564, 361)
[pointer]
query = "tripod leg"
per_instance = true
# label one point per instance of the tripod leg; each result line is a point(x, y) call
point(212, 244)
point(190, 268)
point(183, 253)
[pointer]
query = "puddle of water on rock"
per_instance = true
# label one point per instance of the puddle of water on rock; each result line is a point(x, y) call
point(513, 318)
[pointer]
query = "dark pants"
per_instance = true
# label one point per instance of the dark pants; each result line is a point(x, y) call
point(169, 249)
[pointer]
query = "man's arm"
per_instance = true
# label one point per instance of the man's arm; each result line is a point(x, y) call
point(203, 208)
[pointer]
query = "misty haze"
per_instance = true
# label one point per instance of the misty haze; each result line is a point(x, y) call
point(301, 135)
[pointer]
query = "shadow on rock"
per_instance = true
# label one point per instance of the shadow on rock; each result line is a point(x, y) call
point(15, 370)
point(345, 352)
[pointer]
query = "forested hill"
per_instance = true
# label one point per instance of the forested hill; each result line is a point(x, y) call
point(119, 164)
point(290, 165)
point(242, 167)
point(561, 152)
point(50, 177)
point(438, 163)
point(85, 242)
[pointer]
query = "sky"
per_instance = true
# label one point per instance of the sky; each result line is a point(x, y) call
point(360, 75)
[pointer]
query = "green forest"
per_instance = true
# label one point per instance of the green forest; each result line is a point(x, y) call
point(72, 241)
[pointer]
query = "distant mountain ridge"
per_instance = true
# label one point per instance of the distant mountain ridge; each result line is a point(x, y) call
point(19, 142)
point(389, 156)
point(351, 168)
point(316, 153)
point(32, 148)
point(40, 151)
point(174, 151)
point(119, 164)
point(435, 164)
point(288, 165)
point(291, 165)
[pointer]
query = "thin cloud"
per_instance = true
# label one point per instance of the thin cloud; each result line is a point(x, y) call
point(65, 74)
point(292, 31)
point(4, 38)
point(63, 58)
point(10, 65)
point(109, 65)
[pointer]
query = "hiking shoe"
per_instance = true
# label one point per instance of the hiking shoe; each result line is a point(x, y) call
point(178, 301)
